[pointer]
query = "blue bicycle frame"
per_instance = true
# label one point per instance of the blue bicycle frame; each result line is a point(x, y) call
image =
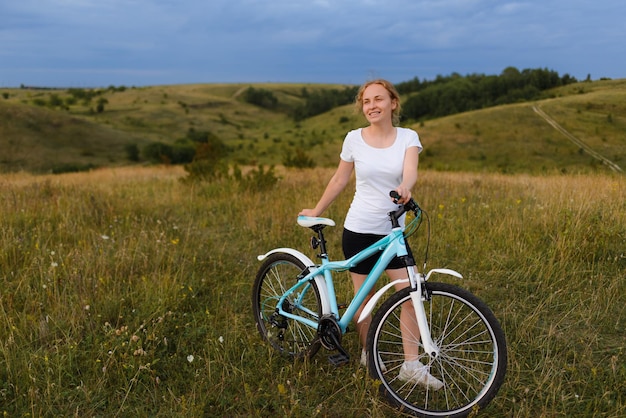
point(391, 246)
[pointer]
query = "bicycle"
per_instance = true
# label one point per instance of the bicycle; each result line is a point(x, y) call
point(460, 340)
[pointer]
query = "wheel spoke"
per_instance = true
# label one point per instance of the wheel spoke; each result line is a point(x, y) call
point(472, 352)
point(277, 274)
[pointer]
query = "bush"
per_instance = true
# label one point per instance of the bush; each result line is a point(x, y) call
point(299, 160)
point(132, 152)
point(100, 106)
point(182, 152)
point(72, 168)
point(205, 170)
point(257, 180)
point(158, 152)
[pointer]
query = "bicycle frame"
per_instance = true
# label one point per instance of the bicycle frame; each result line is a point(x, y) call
point(390, 245)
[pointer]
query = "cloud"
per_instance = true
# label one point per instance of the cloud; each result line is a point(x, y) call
point(178, 41)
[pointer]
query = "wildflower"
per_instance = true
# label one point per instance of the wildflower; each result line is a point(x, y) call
point(190, 358)
point(54, 264)
point(175, 241)
point(221, 339)
point(104, 237)
point(121, 330)
point(139, 352)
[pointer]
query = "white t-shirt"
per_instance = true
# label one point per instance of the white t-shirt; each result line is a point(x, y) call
point(378, 171)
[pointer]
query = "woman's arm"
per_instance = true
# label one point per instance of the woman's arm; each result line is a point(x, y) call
point(409, 174)
point(336, 184)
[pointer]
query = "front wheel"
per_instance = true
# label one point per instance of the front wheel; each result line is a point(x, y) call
point(470, 366)
point(278, 274)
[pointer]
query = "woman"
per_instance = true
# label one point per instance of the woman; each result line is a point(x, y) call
point(384, 157)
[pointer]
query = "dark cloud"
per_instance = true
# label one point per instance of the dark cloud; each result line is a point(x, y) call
point(147, 42)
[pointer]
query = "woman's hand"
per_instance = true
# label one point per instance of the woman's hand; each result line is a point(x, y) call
point(308, 212)
point(405, 194)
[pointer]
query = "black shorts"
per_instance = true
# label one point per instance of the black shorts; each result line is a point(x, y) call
point(353, 242)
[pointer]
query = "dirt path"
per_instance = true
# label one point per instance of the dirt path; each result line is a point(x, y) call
point(577, 141)
point(238, 92)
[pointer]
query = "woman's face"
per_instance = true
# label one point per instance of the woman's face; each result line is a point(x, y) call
point(377, 104)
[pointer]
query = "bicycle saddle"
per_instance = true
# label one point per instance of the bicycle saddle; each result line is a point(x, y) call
point(309, 221)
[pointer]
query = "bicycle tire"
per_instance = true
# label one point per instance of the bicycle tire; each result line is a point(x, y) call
point(291, 338)
point(471, 362)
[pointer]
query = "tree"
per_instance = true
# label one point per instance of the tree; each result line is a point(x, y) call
point(100, 106)
point(260, 97)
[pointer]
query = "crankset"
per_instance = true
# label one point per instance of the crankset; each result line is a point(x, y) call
point(329, 333)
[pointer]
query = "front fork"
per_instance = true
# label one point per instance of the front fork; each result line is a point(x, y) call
point(418, 297)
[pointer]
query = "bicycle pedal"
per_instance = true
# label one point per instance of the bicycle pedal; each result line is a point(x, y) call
point(339, 359)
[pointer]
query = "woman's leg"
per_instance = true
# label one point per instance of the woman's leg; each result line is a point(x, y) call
point(363, 326)
point(412, 370)
point(408, 322)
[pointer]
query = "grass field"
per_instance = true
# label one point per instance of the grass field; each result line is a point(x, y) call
point(126, 292)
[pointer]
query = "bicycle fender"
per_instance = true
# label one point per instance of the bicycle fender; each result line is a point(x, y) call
point(300, 256)
point(369, 307)
point(319, 279)
point(444, 271)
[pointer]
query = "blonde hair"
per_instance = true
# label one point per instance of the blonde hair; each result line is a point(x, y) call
point(393, 93)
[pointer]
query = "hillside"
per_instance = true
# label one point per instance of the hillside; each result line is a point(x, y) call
point(515, 138)
point(49, 130)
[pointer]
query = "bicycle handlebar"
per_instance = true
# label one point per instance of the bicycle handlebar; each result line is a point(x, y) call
point(409, 206)
point(395, 196)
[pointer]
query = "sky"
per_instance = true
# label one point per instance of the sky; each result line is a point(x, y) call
point(101, 43)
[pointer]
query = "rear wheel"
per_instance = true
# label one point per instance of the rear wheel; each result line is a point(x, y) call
point(471, 362)
point(278, 273)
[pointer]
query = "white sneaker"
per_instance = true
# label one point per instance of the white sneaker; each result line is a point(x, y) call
point(416, 372)
point(364, 361)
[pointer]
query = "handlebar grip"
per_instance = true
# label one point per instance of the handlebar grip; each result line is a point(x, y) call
point(394, 195)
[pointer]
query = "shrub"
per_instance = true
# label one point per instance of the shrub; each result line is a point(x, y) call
point(257, 180)
point(299, 160)
point(205, 170)
point(72, 168)
point(132, 152)
point(158, 152)
point(100, 106)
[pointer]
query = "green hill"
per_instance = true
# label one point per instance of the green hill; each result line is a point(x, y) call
point(52, 130)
